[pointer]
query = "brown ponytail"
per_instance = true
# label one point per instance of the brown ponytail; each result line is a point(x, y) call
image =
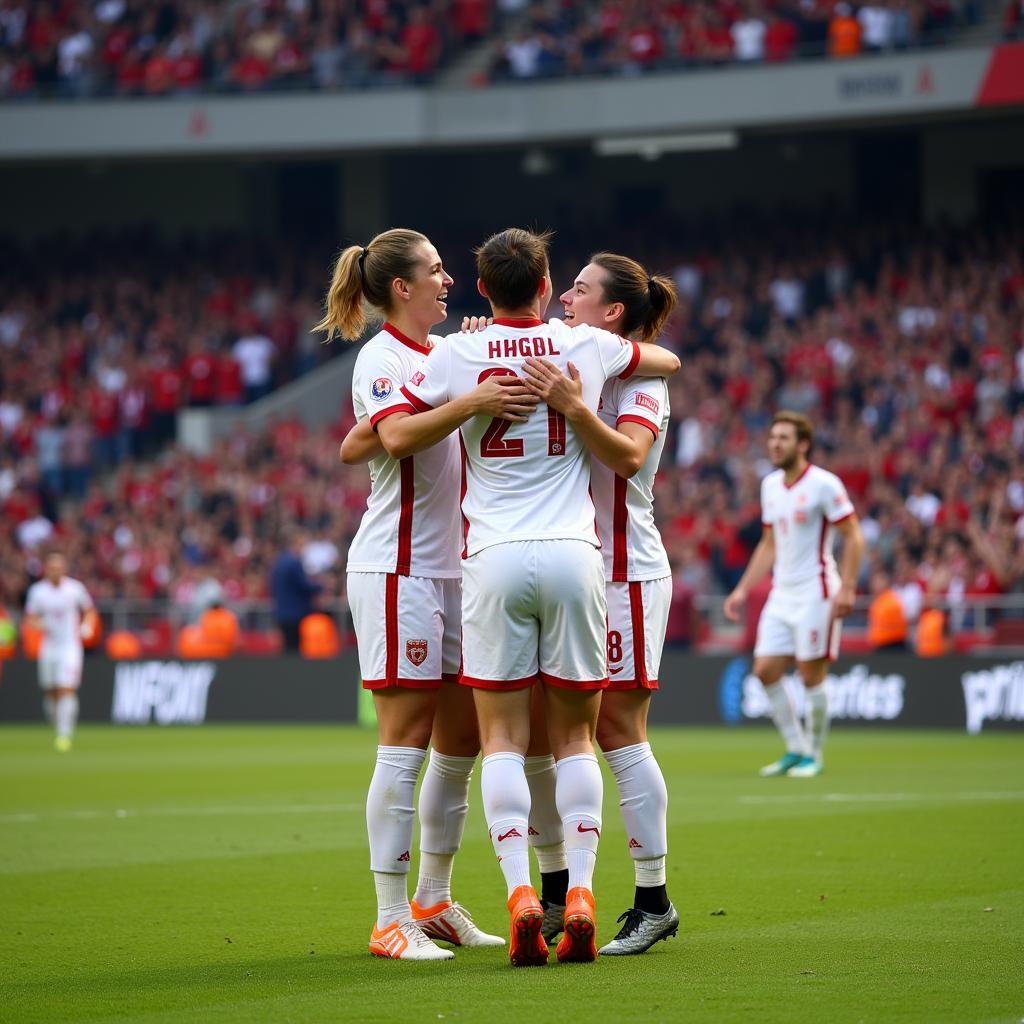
point(362, 277)
point(647, 301)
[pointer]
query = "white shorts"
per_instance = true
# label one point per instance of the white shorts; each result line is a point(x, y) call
point(60, 667)
point(637, 620)
point(797, 621)
point(407, 628)
point(534, 607)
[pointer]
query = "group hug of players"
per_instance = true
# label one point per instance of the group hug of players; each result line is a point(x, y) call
point(510, 591)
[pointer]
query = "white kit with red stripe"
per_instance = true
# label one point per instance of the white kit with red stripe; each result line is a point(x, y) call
point(60, 608)
point(404, 574)
point(797, 618)
point(410, 526)
point(532, 595)
point(522, 481)
point(636, 565)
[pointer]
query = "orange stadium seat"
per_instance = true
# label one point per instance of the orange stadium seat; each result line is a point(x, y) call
point(123, 646)
point(219, 630)
point(318, 637)
point(31, 640)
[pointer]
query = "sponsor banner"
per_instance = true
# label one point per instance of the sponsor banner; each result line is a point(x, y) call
point(969, 694)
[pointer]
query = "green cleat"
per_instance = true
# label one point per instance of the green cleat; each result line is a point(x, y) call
point(806, 768)
point(783, 765)
point(62, 744)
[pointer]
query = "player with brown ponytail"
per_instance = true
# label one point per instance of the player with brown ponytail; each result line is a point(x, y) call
point(626, 435)
point(404, 589)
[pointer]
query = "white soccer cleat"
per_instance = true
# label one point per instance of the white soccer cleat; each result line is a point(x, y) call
point(403, 940)
point(451, 922)
point(807, 768)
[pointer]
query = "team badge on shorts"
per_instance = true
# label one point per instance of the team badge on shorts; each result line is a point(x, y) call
point(416, 651)
point(381, 389)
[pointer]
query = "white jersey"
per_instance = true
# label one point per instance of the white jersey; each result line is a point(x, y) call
point(631, 543)
point(802, 516)
point(60, 608)
point(522, 481)
point(411, 523)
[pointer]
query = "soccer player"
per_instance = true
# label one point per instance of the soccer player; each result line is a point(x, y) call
point(405, 595)
point(626, 436)
point(802, 507)
point(533, 580)
point(62, 610)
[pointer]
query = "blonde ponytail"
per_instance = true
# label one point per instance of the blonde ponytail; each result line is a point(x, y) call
point(345, 313)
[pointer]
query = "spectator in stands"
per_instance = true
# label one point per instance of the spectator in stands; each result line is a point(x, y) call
point(255, 354)
point(844, 32)
point(292, 589)
point(887, 621)
point(748, 34)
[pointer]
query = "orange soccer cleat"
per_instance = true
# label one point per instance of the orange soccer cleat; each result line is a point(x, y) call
point(579, 943)
point(527, 948)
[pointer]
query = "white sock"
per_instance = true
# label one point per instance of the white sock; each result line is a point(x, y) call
point(649, 873)
point(66, 715)
point(784, 717)
point(817, 718)
point(547, 838)
point(392, 898)
point(389, 814)
point(50, 708)
point(444, 804)
point(506, 797)
point(643, 799)
point(579, 791)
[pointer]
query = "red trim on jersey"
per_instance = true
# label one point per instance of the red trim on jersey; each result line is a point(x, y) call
point(401, 683)
point(403, 562)
point(619, 685)
point(497, 684)
point(556, 432)
point(390, 630)
point(417, 402)
point(633, 360)
point(627, 418)
point(788, 487)
point(842, 519)
point(385, 413)
point(636, 614)
point(462, 496)
point(406, 340)
point(620, 519)
point(574, 684)
point(821, 556)
point(518, 321)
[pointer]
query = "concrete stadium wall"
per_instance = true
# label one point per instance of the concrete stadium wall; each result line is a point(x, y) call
point(964, 694)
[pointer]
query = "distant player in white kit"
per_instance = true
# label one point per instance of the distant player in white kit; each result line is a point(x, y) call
point(62, 610)
point(533, 579)
point(802, 507)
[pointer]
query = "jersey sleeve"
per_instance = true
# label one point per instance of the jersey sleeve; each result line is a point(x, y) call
point(32, 605)
point(618, 356)
point(642, 402)
point(835, 501)
point(430, 385)
point(82, 598)
point(378, 381)
point(765, 505)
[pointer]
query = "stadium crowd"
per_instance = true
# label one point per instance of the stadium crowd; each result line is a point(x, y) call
point(76, 48)
point(905, 346)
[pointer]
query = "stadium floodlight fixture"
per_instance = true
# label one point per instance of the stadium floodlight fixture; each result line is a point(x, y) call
point(651, 147)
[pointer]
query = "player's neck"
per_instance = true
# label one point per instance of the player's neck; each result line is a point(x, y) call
point(412, 329)
point(531, 312)
point(796, 471)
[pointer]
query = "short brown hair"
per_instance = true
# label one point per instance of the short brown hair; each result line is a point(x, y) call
point(802, 424)
point(511, 265)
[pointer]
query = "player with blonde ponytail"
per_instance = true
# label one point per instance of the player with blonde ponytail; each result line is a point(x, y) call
point(626, 435)
point(404, 589)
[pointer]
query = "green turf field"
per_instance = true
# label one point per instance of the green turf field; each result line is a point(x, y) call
point(221, 875)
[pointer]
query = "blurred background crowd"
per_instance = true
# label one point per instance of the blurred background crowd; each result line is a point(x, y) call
point(905, 345)
point(80, 48)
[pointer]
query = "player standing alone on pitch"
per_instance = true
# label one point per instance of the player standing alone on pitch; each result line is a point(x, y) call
point(802, 507)
point(62, 610)
point(625, 437)
point(533, 581)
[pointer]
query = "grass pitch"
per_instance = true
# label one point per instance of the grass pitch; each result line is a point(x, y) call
point(220, 875)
